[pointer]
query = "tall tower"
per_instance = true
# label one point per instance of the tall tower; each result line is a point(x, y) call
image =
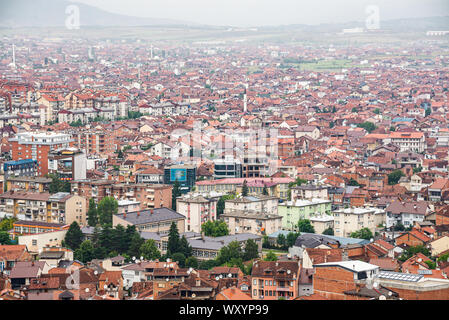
point(245, 100)
point(151, 52)
point(13, 56)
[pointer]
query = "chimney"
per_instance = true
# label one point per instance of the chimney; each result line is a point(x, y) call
point(138, 214)
point(151, 211)
point(124, 215)
point(202, 236)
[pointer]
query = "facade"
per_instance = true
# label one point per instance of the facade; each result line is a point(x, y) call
point(275, 280)
point(405, 213)
point(37, 146)
point(350, 220)
point(292, 211)
point(197, 210)
point(227, 168)
point(309, 191)
point(259, 223)
point(185, 175)
point(20, 168)
point(409, 141)
point(31, 184)
point(261, 203)
point(61, 207)
point(69, 164)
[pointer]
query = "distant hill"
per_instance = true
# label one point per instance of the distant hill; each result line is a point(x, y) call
point(52, 13)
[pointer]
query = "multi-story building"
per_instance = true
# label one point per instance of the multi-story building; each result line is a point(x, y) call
point(61, 207)
point(184, 174)
point(69, 164)
point(261, 203)
point(275, 280)
point(153, 220)
point(350, 220)
point(309, 191)
point(292, 211)
point(37, 146)
point(255, 222)
point(148, 195)
point(406, 213)
point(276, 187)
point(227, 168)
point(20, 168)
point(24, 227)
point(409, 141)
point(31, 184)
point(197, 210)
point(93, 142)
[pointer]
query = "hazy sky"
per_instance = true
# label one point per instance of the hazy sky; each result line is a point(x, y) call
point(271, 12)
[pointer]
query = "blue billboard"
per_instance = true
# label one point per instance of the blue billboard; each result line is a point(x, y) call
point(178, 175)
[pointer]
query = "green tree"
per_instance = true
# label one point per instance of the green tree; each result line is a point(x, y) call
point(184, 247)
point(92, 215)
point(107, 207)
point(176, 192)
point(229, 252)
point(215, 228)
point(149, 250)
point(220, 206)
point(208, 264)
point(74, 236)
point(354, 110)
point(394, 177)
point(173, 245)
point(432, 265)
point(411, 251)
point(428, 111)
point(86, 252)
point(377, 111)
point(135, 245)
point(364, 233)
point(7, 224)
point(191, 262)
point(4, 238)
point(271, 256)
point(281, 240)
point(180, 258)
point(118, 239)
point(329, 232)
point(368, 126)
point(304, 225)
point(265, 190)
point(251, 250)
point(245, 189)
point(353, 182)
point(291, 238)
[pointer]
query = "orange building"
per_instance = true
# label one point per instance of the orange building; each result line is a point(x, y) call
point(37, 146)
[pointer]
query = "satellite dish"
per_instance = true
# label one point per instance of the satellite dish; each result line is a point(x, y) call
point(141, 258)
point(221, 276)
point(382, 297)
point(419, 260)
point(229, 275)
point(217, 278)
point(105, 287)
point(390, 293)
point(376, 285)
point(87, 290)
point(167, 279)
point(134, 258)
point(193, 295)
point(95, 272)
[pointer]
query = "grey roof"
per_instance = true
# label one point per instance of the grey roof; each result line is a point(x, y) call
point(313, 240)
point(210, 243)
point(51, 255)
point(159, 214)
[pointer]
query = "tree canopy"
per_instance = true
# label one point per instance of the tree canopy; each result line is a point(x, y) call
point(215, 228)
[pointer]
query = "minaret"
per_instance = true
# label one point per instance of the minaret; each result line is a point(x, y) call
point(245, 100)
point(13, 56)
point(151, 52)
